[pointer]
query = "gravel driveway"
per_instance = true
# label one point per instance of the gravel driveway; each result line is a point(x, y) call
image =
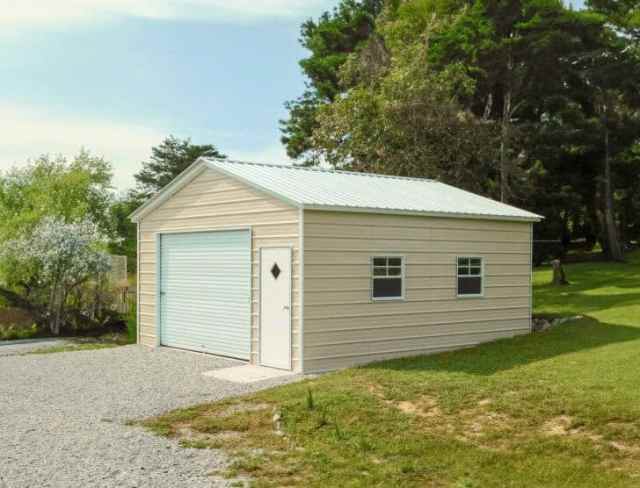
point(62, 418)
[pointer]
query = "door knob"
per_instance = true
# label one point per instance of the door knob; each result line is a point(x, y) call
point(286, 307)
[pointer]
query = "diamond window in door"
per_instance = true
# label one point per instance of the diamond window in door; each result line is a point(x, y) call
point(275, 271)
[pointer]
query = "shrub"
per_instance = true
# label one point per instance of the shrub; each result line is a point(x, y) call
point(59, 273)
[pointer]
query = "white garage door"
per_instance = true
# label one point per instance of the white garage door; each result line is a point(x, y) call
point(205, 292)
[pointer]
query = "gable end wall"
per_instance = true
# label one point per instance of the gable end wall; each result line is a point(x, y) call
point(213, 201)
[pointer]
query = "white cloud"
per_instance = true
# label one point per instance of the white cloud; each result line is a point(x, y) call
point(18, 13)
point(28, 133)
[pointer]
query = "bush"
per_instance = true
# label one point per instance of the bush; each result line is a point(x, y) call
point(58, 272)
point(14, 332)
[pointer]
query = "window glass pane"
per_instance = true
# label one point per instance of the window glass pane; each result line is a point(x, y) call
point(476, 271)
point(463, 271)
point(395, 261)
point(390, 288)
point(476, 262)
point(379, 271)
point(379, 261)
point(395, 271)
point(463, 261)
point(469, 286)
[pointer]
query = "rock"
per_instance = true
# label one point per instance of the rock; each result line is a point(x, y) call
point(277, 424)
point(565, 320)
point(540, 325)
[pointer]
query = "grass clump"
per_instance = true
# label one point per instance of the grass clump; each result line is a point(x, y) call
point(107, 341)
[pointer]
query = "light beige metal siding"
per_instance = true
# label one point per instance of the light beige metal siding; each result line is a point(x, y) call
point(342, 327)
point(212, 201)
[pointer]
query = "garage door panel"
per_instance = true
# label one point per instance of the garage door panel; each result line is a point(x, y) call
point(205, 280)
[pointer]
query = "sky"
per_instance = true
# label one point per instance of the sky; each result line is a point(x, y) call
point(118, 76)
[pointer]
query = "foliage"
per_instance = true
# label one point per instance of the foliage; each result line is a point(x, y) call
point(10, 332)
point(545, 251)
point(68, 190)
point(558, 408)
point(624, 14)
point(49, 265)
point(407, 121)
point(330, 40)
point(168, 160)
point(526, 101)
point(126, 243)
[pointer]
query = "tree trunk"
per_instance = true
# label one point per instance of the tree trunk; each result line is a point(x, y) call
point(611, 232)
point(505, 129)
point(504, 138)
point(559, 277)
point(52, 310)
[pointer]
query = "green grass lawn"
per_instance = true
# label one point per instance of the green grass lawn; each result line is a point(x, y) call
point(559, 408)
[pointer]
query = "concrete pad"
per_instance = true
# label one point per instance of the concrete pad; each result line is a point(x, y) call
point(246, 373)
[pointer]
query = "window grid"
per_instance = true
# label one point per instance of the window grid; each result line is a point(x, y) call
point(387, 268)
point(470, 269)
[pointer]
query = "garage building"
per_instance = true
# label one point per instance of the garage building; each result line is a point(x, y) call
point(312, 270)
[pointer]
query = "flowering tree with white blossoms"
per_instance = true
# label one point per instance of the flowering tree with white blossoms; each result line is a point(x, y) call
point(54, 260)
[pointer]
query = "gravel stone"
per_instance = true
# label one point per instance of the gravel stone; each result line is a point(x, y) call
point(63, 418)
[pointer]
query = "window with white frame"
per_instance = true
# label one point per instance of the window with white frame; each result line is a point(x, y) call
point(470, 277)
point(387, 277)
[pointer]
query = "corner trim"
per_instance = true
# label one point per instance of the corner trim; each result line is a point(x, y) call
point(301, 286)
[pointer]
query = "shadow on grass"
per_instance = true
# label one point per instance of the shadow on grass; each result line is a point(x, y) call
point(487, 359)
point(593, 288)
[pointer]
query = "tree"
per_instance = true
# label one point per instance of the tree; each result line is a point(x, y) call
point(168, 160)
point(69, 190)
point(403, 118)
point(51, 261)
point(125, 230)
point(623, 14)
point(611, 96)
point(330, 40)
point(527, 101)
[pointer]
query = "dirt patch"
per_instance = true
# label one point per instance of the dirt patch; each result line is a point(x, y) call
point(563, 426)
point(425, 407)
point(476, 423)
point(559, 426)
point(623, 447)
point(185, 433)
point(15, 317)
point(470, 425)
point(243, 407)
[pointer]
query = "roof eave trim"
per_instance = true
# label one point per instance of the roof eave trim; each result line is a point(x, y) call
point(196, 168)
point(373, 210)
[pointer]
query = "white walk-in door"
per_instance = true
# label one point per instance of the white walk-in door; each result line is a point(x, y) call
point(205, 292)
point(275, 307)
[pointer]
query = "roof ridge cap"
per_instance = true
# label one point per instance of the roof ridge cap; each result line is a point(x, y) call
point(320, 170)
